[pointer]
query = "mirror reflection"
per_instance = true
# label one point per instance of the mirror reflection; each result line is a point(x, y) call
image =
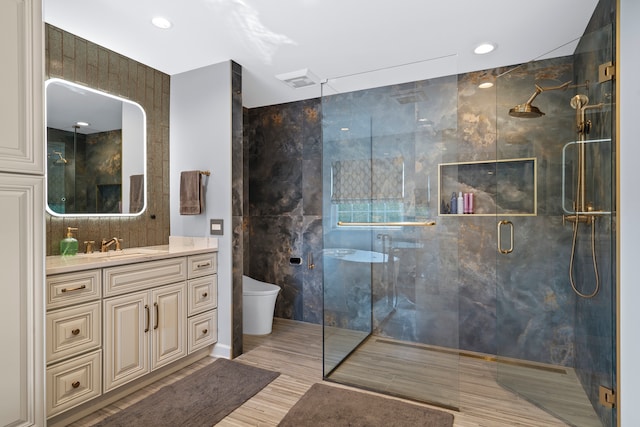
point(96, 152)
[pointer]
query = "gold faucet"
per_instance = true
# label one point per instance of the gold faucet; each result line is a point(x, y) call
point(104, 246)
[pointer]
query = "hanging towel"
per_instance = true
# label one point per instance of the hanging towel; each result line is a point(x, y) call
point(191, 193)
point(136, 193)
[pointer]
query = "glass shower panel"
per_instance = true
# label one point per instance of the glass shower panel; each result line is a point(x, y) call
point(347, 253)
point(555, 267)
point(390, 270)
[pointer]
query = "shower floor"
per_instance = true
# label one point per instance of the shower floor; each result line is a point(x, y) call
point(467, 382)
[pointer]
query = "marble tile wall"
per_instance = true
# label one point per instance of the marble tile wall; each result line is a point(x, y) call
point(447, 292)
point(237, 211)
point(77, 60)
point(283, 212)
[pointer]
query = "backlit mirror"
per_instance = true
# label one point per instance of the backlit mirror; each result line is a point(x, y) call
point(96, 152)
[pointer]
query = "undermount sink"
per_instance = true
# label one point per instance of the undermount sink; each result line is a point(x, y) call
point(130, 252)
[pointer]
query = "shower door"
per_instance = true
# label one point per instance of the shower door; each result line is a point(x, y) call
point(391, 274)
point(555, 233)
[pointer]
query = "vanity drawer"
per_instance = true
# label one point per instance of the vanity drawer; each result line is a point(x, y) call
point(133, 277)
point(203, 330)
point(72, 288)
point(73, 330)
point(202, 265)
point(73, 382)
point(203, 294)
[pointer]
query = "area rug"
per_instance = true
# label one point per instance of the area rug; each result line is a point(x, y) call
point(201, 399)
point(328, 406)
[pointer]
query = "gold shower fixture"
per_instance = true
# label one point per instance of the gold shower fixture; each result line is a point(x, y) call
point(528, 111)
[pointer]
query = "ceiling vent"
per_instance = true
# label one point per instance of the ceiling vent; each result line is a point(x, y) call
point(299, 79)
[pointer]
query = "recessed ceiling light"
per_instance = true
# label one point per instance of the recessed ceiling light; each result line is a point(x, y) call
point(161, 22)
point(344, 129)
point(484, 48)
point(485, 85)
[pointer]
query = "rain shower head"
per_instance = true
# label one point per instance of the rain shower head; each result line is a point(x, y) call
point(525, 111)
point(60, 160)
point(528, 111)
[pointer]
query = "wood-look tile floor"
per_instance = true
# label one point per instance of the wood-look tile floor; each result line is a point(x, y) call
point(295, 350)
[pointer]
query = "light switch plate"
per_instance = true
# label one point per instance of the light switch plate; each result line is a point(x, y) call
point(216, 227)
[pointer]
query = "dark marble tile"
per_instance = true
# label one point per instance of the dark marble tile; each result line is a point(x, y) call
point(236, 287)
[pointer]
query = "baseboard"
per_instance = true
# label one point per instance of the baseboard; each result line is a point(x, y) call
point(221, 350)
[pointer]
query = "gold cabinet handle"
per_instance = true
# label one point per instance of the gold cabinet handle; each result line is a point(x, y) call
point(204, 331)
point(155, 325)
point(73, 289)
point(75, 384)
point(146, 326)
point(310, 264)
point(500, 224)
point(75, 332)
point(206, 264)
point(205, 294)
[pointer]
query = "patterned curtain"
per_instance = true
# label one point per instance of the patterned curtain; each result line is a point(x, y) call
point(367, 179)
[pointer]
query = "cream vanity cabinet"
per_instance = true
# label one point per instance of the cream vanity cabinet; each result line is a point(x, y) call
point(113, 324)
point(74, 339)
point(22, 360)
point(143, 330)
point(203, 301)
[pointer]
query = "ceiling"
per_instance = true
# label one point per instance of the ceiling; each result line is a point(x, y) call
point(331, 38)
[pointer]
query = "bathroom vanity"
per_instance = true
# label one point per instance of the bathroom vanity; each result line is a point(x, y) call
point(120, 319)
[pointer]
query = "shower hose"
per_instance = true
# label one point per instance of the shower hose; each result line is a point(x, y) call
point(593, 257)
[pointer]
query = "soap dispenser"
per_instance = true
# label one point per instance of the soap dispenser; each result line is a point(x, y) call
point(69, 245)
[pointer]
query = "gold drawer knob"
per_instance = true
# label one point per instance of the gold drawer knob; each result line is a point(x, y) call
point(204, 331)
point(75, 384)
point(204, 295)
point(75, 332)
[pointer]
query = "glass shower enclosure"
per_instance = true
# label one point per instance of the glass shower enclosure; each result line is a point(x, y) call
point(388, 271)
point(468, 239)
point(556, 288)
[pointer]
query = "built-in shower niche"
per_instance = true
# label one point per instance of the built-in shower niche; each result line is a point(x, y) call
point(504, 187)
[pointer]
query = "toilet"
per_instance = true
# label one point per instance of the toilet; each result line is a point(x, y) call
point(258, 304)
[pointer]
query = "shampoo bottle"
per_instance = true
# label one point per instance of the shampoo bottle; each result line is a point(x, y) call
point(454, 204)
point(460, 203)
point(69, 245)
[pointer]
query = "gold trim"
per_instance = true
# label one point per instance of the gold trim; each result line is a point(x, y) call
point(481, 356)
point(477, 162)
point(617, 214)
point(387, 224)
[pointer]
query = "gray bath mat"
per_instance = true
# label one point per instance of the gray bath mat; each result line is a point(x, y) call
point(326, 406)
point(201, 399)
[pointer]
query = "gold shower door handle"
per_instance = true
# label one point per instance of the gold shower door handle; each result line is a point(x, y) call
point(500, 224)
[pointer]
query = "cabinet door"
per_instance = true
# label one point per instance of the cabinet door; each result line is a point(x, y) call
point(21, 83)
point(127, 325)
point(22, 301)
point(169, 324)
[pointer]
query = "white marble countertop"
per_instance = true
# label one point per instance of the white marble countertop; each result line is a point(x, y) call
point(178, 246)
